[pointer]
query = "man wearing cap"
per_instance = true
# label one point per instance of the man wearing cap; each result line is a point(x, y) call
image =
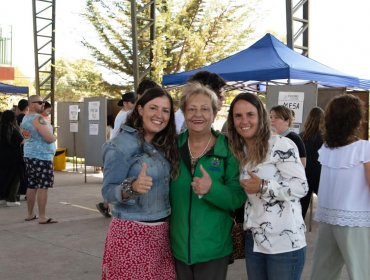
point(127, 103)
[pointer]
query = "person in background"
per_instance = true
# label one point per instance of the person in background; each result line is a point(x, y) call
point(110, 126)
point(103, 207)
point(39, 150)
point(205, 194)
point(274, 179)
point(138, 166)
point(47, 111)
point(22, 110)
point(144, 85)
point(10, 158)
point(312, 140)
point(127, 103)
point(343, 208)
point(214, 82)
point(281, 119)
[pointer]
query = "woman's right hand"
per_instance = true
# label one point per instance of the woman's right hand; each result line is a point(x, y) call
point(252, 184)
point(143, 183)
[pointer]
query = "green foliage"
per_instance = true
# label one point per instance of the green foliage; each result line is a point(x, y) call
point(189, 34)
point(78, 79)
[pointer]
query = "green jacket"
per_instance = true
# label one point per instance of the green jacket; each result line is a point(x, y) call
point(201, 227)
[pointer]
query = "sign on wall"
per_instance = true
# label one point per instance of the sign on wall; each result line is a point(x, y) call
point(293, 101)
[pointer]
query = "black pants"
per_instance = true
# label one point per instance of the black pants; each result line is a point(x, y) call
point(211, 270)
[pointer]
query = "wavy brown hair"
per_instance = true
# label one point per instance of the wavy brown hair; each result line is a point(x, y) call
point(257, 153)
point(166, 139)
point(312, 123)
point(342, 120)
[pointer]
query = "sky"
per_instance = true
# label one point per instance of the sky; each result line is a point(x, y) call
point(338, 31)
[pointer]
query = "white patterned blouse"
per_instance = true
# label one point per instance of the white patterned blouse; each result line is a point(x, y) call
point(274, 215)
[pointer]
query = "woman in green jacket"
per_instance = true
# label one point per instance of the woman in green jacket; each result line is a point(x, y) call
point(205, 193)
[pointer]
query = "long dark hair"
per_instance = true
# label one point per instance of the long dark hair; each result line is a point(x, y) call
point(257, 153)
point(342, 120)
point(312, 124)
point(165, 140)
point(8, 124)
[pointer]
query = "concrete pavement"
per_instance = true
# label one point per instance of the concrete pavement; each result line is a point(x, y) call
point(72, 249)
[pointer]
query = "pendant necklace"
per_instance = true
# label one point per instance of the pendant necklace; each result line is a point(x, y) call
point(193, 159)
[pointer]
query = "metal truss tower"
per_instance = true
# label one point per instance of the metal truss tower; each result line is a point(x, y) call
point(44, 49)
point(298, 36)
point(143, 34)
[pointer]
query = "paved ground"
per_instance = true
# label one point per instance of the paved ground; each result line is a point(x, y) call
point(71, 249)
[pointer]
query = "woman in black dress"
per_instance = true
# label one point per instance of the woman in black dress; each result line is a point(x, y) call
point(312, 140)
point(10, 158)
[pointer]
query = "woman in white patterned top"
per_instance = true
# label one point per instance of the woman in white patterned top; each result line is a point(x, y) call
point(344, 194)
point(274, 179)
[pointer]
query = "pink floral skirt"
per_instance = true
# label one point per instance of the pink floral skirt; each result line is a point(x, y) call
point(135, 251)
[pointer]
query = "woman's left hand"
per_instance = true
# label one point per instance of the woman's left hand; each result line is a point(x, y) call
point(202, 185)
point(253, 184)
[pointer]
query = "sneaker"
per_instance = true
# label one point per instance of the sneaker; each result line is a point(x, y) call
point(11, 204)
point(104, 211)
point(2, 202)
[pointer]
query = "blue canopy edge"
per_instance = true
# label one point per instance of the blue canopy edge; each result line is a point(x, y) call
point(269, 59)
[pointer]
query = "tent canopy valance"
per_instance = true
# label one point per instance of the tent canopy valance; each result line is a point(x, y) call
point(271, 60)
point(9, 89)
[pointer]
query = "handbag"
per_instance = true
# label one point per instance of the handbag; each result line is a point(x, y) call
point(237, 234)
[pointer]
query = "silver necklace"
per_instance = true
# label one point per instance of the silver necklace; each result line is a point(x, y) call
point(193, 158)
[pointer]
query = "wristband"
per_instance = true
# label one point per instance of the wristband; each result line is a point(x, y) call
point(263, 187)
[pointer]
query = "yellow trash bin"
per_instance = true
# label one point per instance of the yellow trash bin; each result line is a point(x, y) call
point(60, 159)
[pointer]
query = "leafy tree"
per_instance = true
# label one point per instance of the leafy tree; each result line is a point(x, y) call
point(189, 34)
point(80, 78)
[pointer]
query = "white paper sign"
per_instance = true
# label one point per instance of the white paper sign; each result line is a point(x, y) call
point(293, 101)
point(94, 110)
point(93, 129)
point(73, 112)
point(73, 127)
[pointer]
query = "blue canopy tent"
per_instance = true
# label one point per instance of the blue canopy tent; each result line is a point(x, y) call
point(9, 89)
point(270, 60)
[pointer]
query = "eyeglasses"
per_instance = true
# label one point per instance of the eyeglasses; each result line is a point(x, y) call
point(39, 102)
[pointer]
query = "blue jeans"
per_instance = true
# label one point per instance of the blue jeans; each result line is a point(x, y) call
point(284, 266)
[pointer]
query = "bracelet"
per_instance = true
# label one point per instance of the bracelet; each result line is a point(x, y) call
point(127, 188)
point(263, 187)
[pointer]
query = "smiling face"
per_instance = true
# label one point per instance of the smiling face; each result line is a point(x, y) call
point(278, 125)
point(199, 114)
point(245, 118)
point(155, 115)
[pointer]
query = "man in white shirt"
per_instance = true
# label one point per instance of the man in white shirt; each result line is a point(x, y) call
point(127, 103)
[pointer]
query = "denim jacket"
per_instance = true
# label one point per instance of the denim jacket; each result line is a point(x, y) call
point(123, 158)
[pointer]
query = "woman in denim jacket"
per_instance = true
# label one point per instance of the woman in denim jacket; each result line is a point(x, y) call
point(138, 165)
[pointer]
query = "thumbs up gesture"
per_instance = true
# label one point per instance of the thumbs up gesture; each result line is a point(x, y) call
point(143, 183)
point(202, 185)
point(252, 184)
